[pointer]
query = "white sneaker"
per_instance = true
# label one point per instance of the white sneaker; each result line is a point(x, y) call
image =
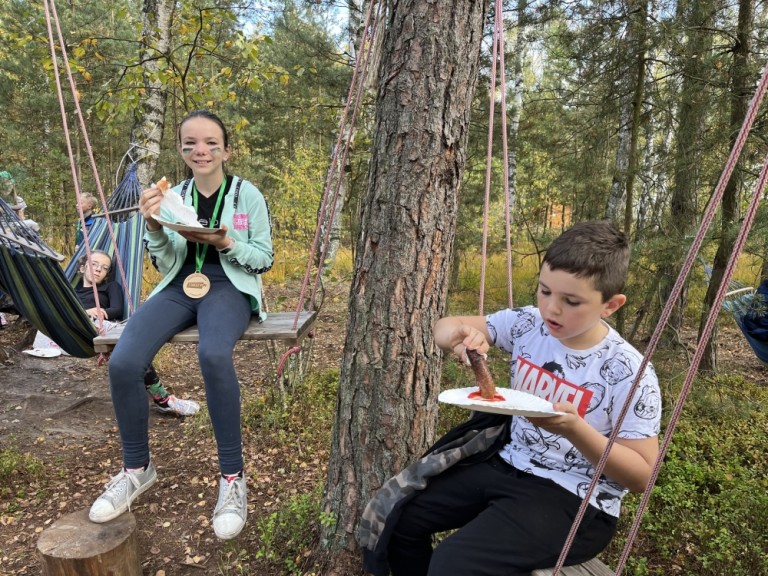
point(179, 407)
point(231, 509)
point(120, 493)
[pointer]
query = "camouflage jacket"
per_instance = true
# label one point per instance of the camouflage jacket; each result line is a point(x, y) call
point(473, 441)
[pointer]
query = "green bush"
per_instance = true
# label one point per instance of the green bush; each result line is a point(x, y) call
point(290, 533)
point(708, 513)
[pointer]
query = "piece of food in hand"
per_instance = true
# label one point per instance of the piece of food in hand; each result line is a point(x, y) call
point(173, 204)
point(163, 185)
point(484, 378)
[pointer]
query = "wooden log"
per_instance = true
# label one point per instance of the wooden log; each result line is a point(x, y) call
point(592, 568)
point(75, 546)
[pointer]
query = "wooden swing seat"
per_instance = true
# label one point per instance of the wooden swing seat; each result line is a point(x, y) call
point(593, 567)
point(277, 326)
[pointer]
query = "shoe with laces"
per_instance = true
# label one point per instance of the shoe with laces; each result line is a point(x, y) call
point(231, 509)
point(120, 493)
point(178, 407)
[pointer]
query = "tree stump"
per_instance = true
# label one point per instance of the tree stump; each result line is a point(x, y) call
point(75, 546)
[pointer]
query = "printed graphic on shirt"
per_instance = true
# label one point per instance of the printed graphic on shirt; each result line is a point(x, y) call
point(240, 221)
point(547, 385)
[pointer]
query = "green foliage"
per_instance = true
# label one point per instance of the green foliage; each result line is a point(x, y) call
point(290, 533)
point(17, 472)
point(308, 408)
point(709, 509)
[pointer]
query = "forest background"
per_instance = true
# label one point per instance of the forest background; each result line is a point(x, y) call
point(623, 110)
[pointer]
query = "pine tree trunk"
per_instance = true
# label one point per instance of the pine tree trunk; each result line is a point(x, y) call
point(390, 371)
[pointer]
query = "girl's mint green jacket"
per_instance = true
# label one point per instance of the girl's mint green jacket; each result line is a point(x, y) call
point(248, 225)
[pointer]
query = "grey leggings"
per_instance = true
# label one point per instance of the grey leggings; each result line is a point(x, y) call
point(222, 316)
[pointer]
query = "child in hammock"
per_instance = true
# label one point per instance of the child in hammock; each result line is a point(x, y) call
point(512, 512)
point(110, 310)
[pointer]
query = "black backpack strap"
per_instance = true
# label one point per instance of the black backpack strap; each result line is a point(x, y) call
point(184, 187)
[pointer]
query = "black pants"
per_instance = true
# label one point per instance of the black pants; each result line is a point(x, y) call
point(509, 523)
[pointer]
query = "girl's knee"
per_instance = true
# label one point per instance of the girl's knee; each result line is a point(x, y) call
point(214, 358)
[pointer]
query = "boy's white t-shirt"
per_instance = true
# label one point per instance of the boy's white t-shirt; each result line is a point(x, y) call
point(607, 370)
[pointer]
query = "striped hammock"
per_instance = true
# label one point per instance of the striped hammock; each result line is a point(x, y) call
point(128, 226)
point(30, 271)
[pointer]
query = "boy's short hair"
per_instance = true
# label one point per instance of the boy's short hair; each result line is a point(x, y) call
point(596, 250)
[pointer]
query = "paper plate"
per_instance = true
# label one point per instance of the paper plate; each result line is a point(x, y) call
point(43, 352)
point(515, 403)
point(179, 227)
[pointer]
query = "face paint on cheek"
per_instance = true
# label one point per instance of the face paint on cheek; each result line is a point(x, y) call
point(186, 151)
point(215, 150)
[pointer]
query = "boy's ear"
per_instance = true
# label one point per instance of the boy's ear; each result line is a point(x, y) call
point(612, 304)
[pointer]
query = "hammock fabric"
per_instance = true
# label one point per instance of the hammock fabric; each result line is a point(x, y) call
point(749, 312)
point(42, 292)
point(31, 274)
point(128, 248)
point(748, 308)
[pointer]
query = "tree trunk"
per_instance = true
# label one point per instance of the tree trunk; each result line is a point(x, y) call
point(741, 88)
point(149, 121)
point(693, 105)
point(621, 201)
point(390, 370)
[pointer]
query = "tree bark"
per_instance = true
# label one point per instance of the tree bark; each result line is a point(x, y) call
point(390, 371)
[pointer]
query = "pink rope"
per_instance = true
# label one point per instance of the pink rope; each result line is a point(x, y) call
point(498, 56)
point(690, 259)
point(284, 358)
point(356, 88)
point(505, 150)
point(488, 158)
point(51, 14)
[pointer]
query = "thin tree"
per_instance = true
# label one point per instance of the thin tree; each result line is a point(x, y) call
point(740, 93)
point(694, 101)
point(387, 403)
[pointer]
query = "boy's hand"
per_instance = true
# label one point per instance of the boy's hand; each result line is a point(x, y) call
point(560, 424)
point(471, 339)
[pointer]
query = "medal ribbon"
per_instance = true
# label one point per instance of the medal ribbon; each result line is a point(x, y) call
point(200, 256)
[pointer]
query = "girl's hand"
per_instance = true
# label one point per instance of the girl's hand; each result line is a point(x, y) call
point(218, 239)
point(97, 313)
point(149, 205)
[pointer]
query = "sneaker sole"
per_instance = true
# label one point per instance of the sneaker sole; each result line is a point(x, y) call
point(123, 509)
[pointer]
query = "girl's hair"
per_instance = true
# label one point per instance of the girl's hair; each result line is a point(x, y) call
point(208, 115)
point(83, 260)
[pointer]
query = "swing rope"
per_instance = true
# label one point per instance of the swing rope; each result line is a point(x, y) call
point(498, 55)
point(335, 174)
point(688, 264)
point(52, 16)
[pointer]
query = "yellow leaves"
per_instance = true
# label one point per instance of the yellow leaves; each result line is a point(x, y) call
point(242, 123)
